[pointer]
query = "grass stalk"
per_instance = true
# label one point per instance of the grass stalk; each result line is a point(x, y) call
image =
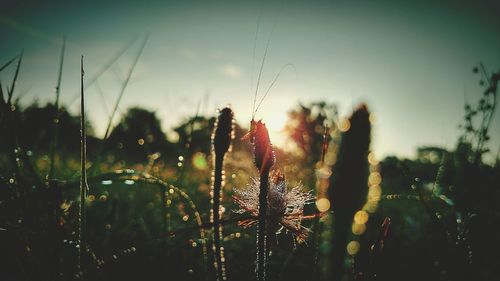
point(59, 74)
point(264, 160)
point(14, 80)
point(104, 68)
point(55, 126)
point(5, 65)
point(261, 231)
point(115, 107)
point(221, 142)
point(83, 180)
point(187, 145)
point(124, 86)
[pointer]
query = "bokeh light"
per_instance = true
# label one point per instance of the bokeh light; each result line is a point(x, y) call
point(353, 248)
point(323, 204)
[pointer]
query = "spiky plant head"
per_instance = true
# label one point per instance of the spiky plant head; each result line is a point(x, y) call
point(223, 133)
point(263, 149)
point(285, 209)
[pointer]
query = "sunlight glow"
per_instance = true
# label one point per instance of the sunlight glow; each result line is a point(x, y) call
point(275, 124)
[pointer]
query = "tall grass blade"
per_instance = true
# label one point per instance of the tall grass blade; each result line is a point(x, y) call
point(55, 125)
point(272, 84)
point(260, 72)
point(59, 74)
point(14, 80)
point(124, 86)
point(8, 63)
point(104, 68)
point(83, 181)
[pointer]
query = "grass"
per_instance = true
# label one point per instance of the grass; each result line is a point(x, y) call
point(137, 219)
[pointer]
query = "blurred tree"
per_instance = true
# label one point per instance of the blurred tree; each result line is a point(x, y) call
point(430, 154)
point(306, 128)
point(138, 135)
point(35, 133)
point(194, 134)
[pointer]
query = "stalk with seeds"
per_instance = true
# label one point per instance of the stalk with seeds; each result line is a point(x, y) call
point(221, 143)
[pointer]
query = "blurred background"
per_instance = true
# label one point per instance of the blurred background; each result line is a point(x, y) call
point(411, 61)
point(384, 111)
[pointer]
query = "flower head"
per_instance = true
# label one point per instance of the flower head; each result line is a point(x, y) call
point(285, 206)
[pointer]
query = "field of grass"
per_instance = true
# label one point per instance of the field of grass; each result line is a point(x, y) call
point(135, 205)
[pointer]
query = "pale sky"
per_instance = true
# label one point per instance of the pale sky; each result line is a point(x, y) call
point(410, 61)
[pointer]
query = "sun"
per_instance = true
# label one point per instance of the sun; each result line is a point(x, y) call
point(276, 124)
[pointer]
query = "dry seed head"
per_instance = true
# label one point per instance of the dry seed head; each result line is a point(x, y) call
point(223, 132)
point(285, 206)
point(263, 149)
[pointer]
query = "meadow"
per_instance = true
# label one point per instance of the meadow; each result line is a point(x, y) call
point(135, 205)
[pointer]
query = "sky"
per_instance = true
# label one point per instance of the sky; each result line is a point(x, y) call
point(409, 61)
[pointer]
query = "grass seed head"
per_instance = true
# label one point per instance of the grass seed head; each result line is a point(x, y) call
point(263, 149)
point(223, 133)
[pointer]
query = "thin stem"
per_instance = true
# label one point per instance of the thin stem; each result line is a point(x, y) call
point(272, 84)
point(254, 49)
point(55, 126)
point(217, 229)
point(83, 177)
point(260, 72)
point(261, 231)
point(105, 68)
point(124, 86)
point(8, 63)
point(13, 85)
point(59, 75)
point(497, 157)
point(440, 173)
point(187, 145)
